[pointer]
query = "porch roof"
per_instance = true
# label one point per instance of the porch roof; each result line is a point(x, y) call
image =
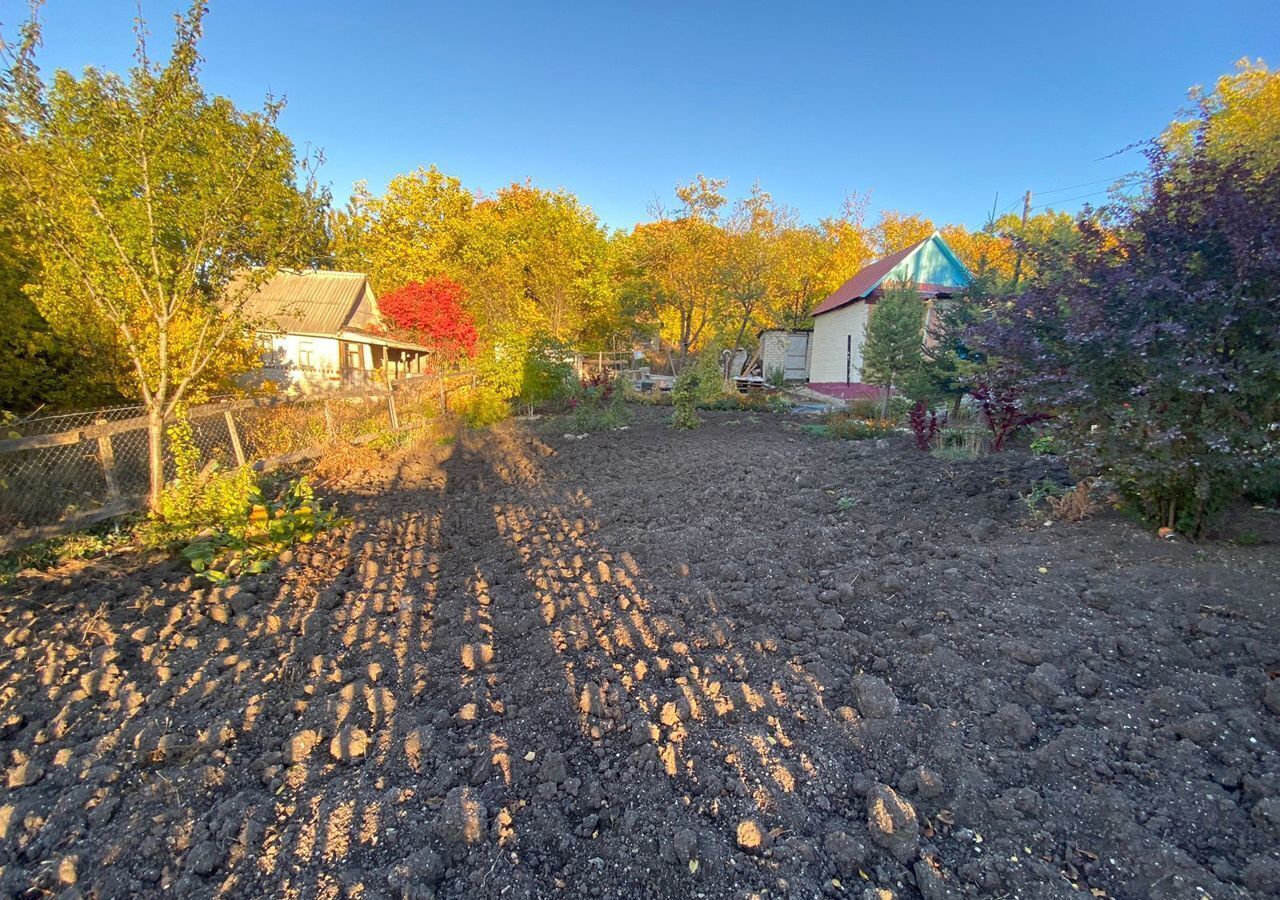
point(370, 337)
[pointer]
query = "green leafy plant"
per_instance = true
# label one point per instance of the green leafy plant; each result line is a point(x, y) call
point(1042, 491)
point(88, 544)
point(961, 442)
point(548, 375)
point(597, 415)
point(483, 405)
point(684, 398)
point(221, 518)
point(1043, 445)
point(272, 526)
point(196, 498)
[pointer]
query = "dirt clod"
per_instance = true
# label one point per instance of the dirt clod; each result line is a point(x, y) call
point(892, 822)
point(349, 744)
point(751, 838)
point(873, 698)
point(299, 746)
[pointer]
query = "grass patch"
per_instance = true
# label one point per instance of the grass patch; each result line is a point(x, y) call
point(88, 544)
point(847, 427)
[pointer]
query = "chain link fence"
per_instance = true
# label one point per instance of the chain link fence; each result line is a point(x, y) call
point(65, 471)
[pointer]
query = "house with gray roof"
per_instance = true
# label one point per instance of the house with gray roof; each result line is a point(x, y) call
point(321, 330)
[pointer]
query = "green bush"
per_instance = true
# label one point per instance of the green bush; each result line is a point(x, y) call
point(685, 395)
point(483, 405)
point(197, 499)
point(864, 408)
point(227, 524)
point(272, 526)
point(1262, 485)
point(1156, 341)
point(1043, 445)
point(548, 375)
point(594, 413)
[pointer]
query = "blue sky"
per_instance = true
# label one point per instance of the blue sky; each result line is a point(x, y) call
point(933, 107)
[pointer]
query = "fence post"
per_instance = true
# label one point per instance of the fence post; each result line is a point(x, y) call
point(236, 447)
point(107, 456)
point(391, 411)
point(328, 419)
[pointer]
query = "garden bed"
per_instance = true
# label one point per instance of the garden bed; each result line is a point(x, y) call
point(650, 663)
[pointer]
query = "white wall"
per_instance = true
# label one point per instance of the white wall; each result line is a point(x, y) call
point(282, 360)
point(827, 348)
point(773, 352)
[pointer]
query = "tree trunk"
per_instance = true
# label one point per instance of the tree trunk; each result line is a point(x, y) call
point(155, 456)
point(884, 404)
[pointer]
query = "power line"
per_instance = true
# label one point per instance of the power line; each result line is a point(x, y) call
point(1072, 187)
point(1066, 200)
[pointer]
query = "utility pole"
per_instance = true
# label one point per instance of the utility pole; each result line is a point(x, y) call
point(1026, 211)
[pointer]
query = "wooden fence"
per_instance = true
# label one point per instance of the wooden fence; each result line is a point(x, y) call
point(56, 482)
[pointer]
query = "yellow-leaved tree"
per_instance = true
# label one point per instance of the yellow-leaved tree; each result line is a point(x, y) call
point(1240, 118)
point(157, 211)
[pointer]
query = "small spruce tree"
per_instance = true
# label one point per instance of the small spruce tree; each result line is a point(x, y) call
point(894, 351)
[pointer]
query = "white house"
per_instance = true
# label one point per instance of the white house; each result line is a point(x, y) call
point(840, 321)
point(323, 331)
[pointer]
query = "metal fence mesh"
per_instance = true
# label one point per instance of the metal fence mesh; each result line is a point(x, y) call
point(59, 422)
point(66, 479)
point(56, 470)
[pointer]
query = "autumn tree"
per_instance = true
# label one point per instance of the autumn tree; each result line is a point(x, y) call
point(552, 253)
point(157, 210)
point(1239, 119)
point(848, 243)
point(897, 230)
point(802, 275)
point(987, 251)
point(750, 270)
point(38, 367)
point(892, 353)
point(676, 263)
point(416, 229)
point(432, 313)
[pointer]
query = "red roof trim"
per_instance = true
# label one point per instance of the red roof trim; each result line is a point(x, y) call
point(866, 280)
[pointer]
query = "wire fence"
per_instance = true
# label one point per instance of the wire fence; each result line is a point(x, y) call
point(65, 471)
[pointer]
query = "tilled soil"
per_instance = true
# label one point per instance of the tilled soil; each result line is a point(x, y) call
point(740, 661)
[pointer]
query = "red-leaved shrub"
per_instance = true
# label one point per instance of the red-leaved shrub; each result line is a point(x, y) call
point(431, 313)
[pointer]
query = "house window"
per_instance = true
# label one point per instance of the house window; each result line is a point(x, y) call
point(266, 350)
point(306, 355)
point(352, 358)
